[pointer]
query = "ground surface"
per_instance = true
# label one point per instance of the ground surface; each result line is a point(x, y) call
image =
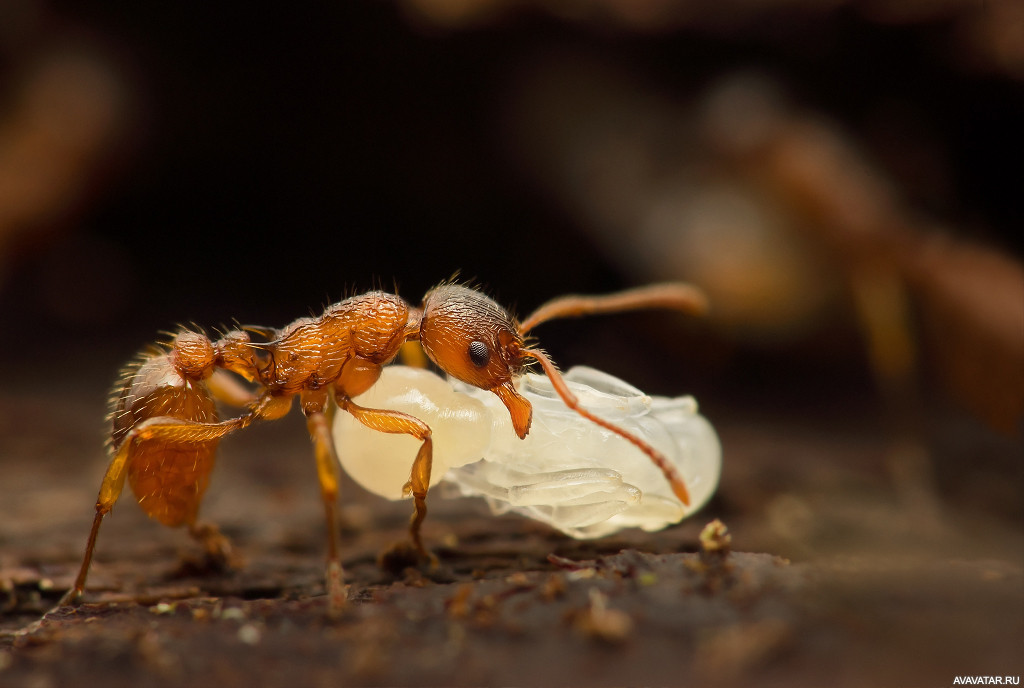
point(838, 577)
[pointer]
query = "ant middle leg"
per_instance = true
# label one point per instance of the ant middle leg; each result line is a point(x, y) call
point(318, 421)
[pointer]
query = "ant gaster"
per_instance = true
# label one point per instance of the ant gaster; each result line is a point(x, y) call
point(166, 427)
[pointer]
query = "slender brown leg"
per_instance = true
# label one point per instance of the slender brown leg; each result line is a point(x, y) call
point(110, 490)
point(327, 469)
point(177, 431)
point(162, 428)
point(75, 593)
point(396, 422)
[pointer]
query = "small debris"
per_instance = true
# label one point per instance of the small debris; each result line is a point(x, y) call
point(582, 574)
point(553, 588)
point(250, 634)
point(715, 562)
point(233, 614)
point(715, 538)
point(458, 604)
point(519, 579)
point(598, 621)
point(565, 563)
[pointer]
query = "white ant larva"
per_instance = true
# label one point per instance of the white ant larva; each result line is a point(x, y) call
point(568, 472)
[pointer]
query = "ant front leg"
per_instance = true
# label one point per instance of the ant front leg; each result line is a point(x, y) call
point(396, 422)
point(318, 420)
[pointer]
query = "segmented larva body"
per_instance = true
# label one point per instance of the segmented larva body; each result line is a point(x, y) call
point(568, 472)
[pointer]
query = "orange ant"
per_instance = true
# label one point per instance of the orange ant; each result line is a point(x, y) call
point(166, 428)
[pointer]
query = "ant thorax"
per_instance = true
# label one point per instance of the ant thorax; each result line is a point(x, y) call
point(315, 350)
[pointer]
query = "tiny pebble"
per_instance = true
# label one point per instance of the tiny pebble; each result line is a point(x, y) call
point(233, 614)
point(249, 634)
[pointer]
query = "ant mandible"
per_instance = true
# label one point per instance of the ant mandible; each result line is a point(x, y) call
point(166, 428)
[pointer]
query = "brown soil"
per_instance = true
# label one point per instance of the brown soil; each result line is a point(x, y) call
point(841, 575)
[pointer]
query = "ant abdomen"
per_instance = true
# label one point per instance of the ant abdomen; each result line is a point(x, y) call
point(168, 474)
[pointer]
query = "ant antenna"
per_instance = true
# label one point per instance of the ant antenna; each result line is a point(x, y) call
point(570, 399)
point(670, 295)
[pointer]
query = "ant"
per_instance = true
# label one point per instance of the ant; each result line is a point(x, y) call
point(165, 426)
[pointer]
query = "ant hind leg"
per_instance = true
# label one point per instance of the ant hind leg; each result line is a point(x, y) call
point(110, 490)
point(160, 428)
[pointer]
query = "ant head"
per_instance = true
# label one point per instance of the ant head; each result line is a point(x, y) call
point(475, 340)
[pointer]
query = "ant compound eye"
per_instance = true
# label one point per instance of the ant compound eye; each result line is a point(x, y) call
point(479, 353)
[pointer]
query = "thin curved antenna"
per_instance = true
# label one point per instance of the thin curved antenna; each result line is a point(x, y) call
point(669, 295)
point(570, 399)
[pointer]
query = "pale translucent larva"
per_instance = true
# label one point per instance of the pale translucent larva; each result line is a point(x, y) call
point(568, 472)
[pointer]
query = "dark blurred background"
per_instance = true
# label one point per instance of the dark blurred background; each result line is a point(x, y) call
point(843, 178)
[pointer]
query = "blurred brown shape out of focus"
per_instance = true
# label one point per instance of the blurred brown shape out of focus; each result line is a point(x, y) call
point(973, 301)
point(971, 297)
point(989, 35)
point(62, 125)
point(775, 212)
